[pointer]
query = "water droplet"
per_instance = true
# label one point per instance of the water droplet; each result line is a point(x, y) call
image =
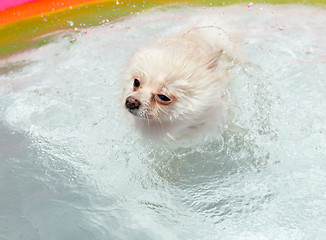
point(250, 5)
point(281, 28)
point(71, 23)
point(117, 2)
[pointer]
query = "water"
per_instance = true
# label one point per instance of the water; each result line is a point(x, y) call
point(71, 168)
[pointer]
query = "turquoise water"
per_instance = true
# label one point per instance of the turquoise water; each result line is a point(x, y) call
point(72, 168)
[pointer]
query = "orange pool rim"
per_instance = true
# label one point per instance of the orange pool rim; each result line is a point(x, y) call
point(38, 7)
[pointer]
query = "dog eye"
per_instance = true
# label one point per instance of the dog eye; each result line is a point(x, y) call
point(136, 83)
point(163, 98)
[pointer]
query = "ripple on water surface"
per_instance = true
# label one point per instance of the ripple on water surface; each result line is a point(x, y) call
point(72, 168)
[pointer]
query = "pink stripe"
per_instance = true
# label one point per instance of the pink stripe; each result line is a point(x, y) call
point(4, 4)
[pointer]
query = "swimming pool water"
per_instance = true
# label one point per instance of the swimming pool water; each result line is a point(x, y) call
point(72, 168)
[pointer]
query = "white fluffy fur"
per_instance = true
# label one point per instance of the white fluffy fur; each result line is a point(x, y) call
point(192, 68)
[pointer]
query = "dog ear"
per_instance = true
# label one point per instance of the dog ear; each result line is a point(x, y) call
point(213, 59)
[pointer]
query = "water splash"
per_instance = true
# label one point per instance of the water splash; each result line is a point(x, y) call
point(69, 159)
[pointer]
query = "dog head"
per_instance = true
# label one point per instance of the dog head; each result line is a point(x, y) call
point(166, 83)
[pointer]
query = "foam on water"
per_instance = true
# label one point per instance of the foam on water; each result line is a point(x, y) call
point(71, 168)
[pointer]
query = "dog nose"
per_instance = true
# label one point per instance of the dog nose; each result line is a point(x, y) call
point(132, 103)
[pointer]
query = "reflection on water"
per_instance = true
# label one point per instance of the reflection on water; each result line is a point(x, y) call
point(71, 168)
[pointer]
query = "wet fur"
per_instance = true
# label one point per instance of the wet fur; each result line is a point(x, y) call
point(191, 68)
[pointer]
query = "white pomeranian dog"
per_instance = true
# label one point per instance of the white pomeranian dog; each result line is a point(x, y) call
point(175, 88)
